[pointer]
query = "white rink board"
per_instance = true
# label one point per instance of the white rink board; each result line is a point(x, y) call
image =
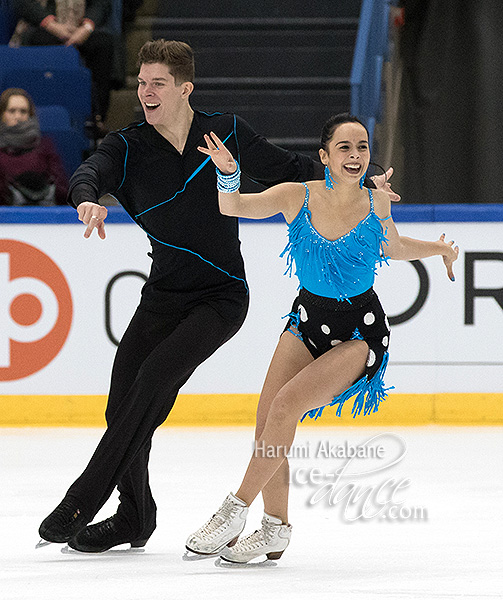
point(433, 352)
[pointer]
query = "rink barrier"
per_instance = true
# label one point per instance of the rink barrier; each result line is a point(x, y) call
point(402, 213)
point(231, 410)
point(240, 409)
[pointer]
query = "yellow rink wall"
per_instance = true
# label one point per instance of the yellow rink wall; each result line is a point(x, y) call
point(200, 410)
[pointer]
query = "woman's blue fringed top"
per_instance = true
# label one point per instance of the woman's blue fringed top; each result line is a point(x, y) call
point(339, 268)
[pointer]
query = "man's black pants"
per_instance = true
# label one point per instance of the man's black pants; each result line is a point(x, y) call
point(156, 356)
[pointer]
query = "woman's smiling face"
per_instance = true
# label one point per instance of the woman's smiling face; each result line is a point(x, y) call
point(347, 155)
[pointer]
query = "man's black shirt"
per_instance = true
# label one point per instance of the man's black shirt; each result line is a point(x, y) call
point(195, 249)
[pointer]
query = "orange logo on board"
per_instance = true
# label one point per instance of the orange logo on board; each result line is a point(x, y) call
point(35, 310)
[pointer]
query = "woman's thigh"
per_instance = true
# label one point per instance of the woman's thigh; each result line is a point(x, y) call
point(326, 377)
point(290, 357)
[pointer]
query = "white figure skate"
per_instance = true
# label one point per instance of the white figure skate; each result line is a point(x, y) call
point(221, 530)
point(270, 540)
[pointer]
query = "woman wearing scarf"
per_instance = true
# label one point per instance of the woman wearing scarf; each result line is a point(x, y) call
point(31, 171)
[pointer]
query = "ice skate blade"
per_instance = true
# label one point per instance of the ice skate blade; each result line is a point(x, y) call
point(118, 550)
point(190, 556)
point(42, 544)
point(263, 564)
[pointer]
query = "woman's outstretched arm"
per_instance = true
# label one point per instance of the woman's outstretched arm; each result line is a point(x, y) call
point(405, 248)
point(284, 197)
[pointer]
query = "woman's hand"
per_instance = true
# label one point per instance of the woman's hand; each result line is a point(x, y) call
point(450, 253)
point(382, 183)
point(79, 36)
point(62, 31)
point(93, 215)
point(219, 154)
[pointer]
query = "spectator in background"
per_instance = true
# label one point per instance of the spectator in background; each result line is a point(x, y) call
point(76, 23)
point(7, 21)
point(31, 171)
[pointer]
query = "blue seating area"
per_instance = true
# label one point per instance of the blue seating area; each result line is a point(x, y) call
point(68, 87)
point(61, 89)
point(44, 57)
point(53, 117)
point(51, 75)
point(71, 143)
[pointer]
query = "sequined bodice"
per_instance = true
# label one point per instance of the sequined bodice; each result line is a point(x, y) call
point(339, 268)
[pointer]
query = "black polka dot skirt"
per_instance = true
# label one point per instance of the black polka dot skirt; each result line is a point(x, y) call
point(323, 323)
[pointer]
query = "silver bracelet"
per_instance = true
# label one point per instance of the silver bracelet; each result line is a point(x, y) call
point(228, 184)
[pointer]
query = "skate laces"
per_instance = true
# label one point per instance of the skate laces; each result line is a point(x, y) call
point(220, 520)
point(258, 538)
point(252, 541)
point(105, 527)
point(64, 514)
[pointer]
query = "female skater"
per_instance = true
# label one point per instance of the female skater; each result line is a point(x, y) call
point(335, 345)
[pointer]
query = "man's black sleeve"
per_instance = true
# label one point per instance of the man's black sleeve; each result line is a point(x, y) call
point(268, 164)
point(100, 174)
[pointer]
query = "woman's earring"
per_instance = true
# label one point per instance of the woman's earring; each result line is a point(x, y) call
point(329, 182)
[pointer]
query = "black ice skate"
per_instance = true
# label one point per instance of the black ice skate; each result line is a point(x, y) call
point(105, 535)
point(65, 521)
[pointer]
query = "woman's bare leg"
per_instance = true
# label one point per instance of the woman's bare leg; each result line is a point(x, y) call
point(314, 386)
point(285, 364)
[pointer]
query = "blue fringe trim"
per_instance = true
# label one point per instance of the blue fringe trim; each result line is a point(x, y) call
point(356, 335)
point(296, 318)
point(369, 395)
point(335, 259)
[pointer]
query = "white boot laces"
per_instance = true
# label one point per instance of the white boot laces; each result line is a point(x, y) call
point(220, 520)
point(257, 539)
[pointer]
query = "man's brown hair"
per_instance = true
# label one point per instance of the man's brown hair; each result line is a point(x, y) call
point(178, 56)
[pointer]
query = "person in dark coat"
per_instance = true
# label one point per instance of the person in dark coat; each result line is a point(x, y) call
point(31, 170)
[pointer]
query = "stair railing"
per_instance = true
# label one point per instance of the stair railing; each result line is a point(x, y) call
point(371, 51)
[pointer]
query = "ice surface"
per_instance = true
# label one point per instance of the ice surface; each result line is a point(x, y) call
point(452, 549)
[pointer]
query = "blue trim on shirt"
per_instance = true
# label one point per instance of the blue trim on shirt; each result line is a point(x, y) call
point(237, 141)
point(205, 162)
point(199, 256)
point(125, 161)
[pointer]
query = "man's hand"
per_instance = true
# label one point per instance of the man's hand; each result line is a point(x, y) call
point(93, 215)
point(382, 183)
